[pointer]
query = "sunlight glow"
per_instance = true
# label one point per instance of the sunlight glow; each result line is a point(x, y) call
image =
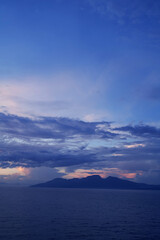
point(135, 145)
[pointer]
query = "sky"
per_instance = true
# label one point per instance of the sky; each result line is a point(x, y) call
point(79, 90)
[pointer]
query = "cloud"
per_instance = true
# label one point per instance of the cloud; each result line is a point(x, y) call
point(135, 145)
point(80, 173)
point(47, 141)
point(51, 127)
point(73, 144)
point(141, 130)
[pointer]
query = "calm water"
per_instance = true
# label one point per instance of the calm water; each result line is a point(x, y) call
point(57, 214)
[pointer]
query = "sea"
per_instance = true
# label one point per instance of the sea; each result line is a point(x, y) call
point(79, 214)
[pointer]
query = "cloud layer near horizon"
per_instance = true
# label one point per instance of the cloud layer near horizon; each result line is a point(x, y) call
point(74, 148)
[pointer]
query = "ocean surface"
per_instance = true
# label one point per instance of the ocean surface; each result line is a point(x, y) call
point(57, 214)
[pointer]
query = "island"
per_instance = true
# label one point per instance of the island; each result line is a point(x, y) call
point(97, 182)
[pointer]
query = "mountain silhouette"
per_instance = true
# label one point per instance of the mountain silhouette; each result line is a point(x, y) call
point(97, 182)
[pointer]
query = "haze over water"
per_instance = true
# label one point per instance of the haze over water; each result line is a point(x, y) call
point(84, 214)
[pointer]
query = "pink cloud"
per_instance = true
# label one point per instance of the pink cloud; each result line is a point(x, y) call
point(81, 173)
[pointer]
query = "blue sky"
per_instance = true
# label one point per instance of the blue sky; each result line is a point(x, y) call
point(91, 66)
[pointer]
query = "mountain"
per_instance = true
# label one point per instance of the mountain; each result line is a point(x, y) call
point(96, 181)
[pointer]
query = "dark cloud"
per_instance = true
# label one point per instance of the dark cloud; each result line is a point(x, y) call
point(73, 144)
point(50, 127)
point(47, 141)
point(141, 130)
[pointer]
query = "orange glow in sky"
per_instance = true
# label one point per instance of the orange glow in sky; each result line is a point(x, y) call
point(14, 171)
point(81, 173)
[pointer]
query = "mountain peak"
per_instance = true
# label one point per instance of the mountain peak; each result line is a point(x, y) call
point(95, 181)
point(110, 177)
point(94, 177)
